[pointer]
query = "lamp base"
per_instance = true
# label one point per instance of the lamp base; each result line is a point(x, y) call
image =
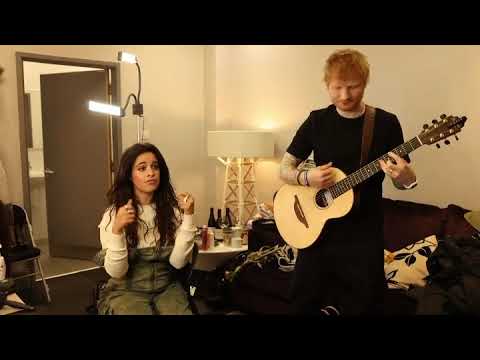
point(239, 190)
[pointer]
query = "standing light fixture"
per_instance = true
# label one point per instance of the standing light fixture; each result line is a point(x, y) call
point(137, 106)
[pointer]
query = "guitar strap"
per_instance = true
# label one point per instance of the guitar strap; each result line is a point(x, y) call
point(367, 137)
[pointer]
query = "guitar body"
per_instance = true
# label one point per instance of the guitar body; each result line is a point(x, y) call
point(299, 217)
point(301, 212)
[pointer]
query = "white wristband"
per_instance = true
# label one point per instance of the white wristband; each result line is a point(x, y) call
point(411, 186)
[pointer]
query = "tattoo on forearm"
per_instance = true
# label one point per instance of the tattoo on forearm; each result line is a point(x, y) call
point(288, 168)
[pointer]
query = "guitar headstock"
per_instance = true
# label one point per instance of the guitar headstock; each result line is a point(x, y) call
point(442, 129)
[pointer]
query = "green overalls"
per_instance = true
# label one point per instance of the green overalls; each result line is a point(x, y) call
point(149, 287)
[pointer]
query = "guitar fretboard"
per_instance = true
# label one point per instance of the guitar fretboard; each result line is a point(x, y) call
point(371, 169)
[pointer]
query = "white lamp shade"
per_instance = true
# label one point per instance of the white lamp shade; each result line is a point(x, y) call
point(240, 143)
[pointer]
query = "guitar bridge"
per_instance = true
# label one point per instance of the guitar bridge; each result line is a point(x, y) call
point(297, 208)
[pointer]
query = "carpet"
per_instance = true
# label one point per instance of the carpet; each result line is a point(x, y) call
point(71, 294)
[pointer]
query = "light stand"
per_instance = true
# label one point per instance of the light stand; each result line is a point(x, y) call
point(137, 106)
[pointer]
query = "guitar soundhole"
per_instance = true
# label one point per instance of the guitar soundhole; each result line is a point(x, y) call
point(321, 199)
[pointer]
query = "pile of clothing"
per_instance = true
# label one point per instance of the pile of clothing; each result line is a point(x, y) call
point(453, 284)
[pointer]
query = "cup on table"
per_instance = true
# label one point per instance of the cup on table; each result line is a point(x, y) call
point(227, 236)
point(237, 231)
point(236, 242)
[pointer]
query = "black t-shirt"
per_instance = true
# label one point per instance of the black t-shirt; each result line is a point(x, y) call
point(344, 267)
point(334, 138)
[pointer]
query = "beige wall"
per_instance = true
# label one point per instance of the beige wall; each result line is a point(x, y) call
point(173, 88)
point(277, 86)
point(190, 89)
point(173, 98)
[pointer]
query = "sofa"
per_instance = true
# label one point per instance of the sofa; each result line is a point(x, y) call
point(407, 224)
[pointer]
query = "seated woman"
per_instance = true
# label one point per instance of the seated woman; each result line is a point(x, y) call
point(145, 237)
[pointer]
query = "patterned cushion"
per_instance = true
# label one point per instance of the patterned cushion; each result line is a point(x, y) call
point(407, 267)
point(405, 222)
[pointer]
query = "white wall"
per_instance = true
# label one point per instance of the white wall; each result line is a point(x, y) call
point(173, 98)
point(277, 86)
point(36, 118)
point(173, 88)
point(188, 90)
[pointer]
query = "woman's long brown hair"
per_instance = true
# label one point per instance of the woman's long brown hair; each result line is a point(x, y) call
point(164, 196)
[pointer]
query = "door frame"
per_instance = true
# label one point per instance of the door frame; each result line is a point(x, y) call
point(114, 68)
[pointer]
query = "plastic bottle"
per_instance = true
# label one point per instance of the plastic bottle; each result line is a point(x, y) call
point(3, 266)
point(204, 237)
point(218, 226)
point(211, 239)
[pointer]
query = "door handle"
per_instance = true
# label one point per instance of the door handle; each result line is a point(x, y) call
point(48, 171)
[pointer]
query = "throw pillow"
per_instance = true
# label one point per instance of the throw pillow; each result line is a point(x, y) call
point(407, 267)
point(405, 222)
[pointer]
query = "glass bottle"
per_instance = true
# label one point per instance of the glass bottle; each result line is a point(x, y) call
point(211, 220)
point(218, 226)
point(228, 219)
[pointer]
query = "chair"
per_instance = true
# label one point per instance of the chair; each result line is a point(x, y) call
point(186, 279)
point(184, 275)
point(18, 245)
point(7, 287)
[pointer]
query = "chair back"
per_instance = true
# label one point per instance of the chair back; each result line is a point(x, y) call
point(16, 234)
point(19, 249)
point(4, 229)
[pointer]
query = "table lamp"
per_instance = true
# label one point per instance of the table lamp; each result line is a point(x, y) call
point(241, 148)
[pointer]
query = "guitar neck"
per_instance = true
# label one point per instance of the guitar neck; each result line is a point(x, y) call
point(372, 168)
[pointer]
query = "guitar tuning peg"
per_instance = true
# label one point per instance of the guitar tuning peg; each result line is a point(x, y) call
point(438, 146)
point(443, 116)
point(447, 142)
point(456, 137)
point(425, 126)
point(434, 121)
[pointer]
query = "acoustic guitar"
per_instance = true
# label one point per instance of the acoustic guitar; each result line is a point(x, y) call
point(301, 212)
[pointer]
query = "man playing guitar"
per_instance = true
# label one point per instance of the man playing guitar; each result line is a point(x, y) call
point(342, 272)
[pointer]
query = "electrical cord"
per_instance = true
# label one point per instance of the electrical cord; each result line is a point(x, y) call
point(285, 256)
point(128, 101)
point(139, 81)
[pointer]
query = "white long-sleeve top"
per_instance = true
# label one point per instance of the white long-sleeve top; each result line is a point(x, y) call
point(116, 257)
